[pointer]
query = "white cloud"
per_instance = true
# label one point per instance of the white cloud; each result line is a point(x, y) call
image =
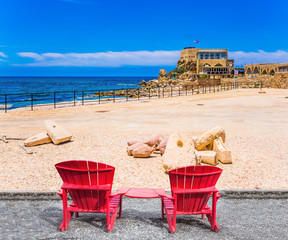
point(35, 56)
point(242, 58)
point(140, 58)
point(3, 54)
point(103, 59)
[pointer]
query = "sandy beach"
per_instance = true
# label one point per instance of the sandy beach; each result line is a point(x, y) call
point(256, 128)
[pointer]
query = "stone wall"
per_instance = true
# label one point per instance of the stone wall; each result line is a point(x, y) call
point(262, 69)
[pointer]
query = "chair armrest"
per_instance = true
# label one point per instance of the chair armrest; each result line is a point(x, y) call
point(161, 192)
point(60, 192)
point(121, 191)
point(105, 187)
point(201, 190)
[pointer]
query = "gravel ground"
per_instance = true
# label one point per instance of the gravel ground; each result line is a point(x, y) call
point(141, 219)
point(255, 124)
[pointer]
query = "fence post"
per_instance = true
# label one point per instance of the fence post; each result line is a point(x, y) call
point(113, 95)
point(126, 94)
point(171, 93)
point(158, 92)
point(74, 98)
point(82, 97)
point(149, 92)
point(179, 91)
point(5, 103)
point(54, 99)
point(192, 89)
point(163, 91)
point(31, 101)
point(198, 89)
point(186, 90)
point(99, 92)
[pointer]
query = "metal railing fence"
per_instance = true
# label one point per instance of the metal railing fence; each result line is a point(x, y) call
point(77, 98)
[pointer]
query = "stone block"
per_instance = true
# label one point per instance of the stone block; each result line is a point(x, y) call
point(57, 133)
point(180, 152)
point(207, 157)
point(222, 153)
point(208, 137)
point(38, 139)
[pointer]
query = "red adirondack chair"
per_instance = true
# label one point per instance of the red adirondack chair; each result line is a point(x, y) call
point(89, 185)
point(191, 188)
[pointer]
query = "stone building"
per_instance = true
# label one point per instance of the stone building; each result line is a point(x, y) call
point(212, 62)
point(261, 69)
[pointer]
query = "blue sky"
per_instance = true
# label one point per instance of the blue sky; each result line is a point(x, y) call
point(134, 38)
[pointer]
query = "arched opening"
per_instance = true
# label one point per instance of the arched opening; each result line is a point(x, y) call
point(249, 71)
point(264, 72)
point(218, 65)
point(256, 70)
point(272, 72)
point(206, 65)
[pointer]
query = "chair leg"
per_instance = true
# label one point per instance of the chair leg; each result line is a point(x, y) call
point(111, 220)
point(120, 207)
point(212, 217)
point(66, 214)
point(162, 208)
point(171, 222)
point(76, 214)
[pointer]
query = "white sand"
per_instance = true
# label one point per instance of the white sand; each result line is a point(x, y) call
point(256, 128)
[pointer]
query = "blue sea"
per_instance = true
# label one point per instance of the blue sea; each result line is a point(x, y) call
point(19, 89)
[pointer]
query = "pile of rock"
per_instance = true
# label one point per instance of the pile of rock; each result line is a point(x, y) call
point(139, 148)
point(181, 150)
point(54, 133)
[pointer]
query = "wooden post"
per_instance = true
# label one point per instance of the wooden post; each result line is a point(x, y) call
point(99, 93)
point(54, 99)
point(82, 97)
point(113, 95)
point(74, 98)
point(31, 101)
point(5, 103)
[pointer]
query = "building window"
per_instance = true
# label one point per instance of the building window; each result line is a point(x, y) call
point(212, 56)
point(206, 55)
point(201, 56)
point(223, 56)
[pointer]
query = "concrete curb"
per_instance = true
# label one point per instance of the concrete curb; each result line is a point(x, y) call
point(230, 194)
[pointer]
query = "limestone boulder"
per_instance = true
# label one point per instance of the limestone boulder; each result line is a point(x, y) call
point(154, 140)
point(222, 153)
point(208, 137)
point(162, 74)
point(162, 145)
point(133, 141)
point(142, 151)
point(207, 157)
point(135, 145)
point(57, 133)
point(142, 83)
point(179, 152)
point(38, 139)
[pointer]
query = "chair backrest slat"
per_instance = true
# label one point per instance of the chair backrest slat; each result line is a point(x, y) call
point(87, 173)
point(193, 177)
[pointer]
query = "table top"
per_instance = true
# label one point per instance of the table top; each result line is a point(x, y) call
point(143, 192)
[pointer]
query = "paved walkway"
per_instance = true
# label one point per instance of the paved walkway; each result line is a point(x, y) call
point(237, 219)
